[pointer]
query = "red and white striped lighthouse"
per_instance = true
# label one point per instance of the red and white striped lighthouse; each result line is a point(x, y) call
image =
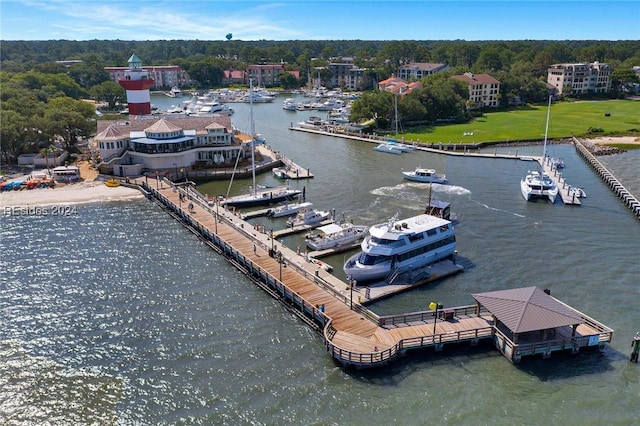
point(137, 83)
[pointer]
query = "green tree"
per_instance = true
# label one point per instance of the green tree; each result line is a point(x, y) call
point(108, 91)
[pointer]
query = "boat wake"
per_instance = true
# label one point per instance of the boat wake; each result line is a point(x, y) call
point(486, 206)
point(416, 191)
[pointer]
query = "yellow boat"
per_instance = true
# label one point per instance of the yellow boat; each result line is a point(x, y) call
point(112, 183)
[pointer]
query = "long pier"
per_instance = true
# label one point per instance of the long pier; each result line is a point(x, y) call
point(614, 184)
point(353, 335)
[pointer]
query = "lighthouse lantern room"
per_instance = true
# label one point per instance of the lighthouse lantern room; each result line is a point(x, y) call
point(137, 83)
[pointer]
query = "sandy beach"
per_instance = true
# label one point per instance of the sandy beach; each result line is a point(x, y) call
point(607, 140)
point(80, 192)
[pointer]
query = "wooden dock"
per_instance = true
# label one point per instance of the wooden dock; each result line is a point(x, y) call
point(353, 335)
point(564, 189)
point(291, 169)
point(299, 229)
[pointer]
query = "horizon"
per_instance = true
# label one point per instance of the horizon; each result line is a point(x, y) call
point(288, 20)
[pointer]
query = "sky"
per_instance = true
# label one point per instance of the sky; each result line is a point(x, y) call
point(319, 20)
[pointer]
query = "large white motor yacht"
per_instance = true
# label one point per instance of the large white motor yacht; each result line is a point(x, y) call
point(400, 246)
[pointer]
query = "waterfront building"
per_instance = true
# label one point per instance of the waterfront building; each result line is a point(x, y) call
point(398, 85)
point(418, 70)
point(162, 144)
point(483, 89)
point(164, 77)
point(580, 78)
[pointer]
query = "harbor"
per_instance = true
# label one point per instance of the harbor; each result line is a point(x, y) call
point(159, 308)
point(328, 304)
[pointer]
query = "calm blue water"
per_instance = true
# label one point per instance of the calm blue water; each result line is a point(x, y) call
point(118, 315)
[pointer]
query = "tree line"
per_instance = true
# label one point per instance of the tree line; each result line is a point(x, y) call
point(41, 100)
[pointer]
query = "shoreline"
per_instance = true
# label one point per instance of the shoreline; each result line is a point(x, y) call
point(95, 191)
point(75, 193)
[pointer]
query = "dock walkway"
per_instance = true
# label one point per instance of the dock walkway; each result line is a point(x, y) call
point(353, 335)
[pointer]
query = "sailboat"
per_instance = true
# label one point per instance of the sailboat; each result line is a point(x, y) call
point(538, 184)
point(266, 196)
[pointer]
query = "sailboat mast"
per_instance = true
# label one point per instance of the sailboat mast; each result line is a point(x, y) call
point(253, 138)
point(546, 132)
point(396, 112)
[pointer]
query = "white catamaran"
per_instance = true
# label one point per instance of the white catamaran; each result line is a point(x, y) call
point(538, 184)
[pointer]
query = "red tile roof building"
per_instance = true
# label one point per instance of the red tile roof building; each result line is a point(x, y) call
point(483, 89)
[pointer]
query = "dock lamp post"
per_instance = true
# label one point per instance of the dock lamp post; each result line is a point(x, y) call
point(280, 262)
point(217, 214)
point(272, 254)
point(175, 166)
point(434, 307)
point(352, 283)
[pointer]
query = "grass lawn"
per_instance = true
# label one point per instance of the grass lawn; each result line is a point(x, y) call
point(528, 123)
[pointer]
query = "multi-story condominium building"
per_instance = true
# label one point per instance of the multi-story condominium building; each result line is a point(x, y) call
point(164, 77)
point(483, 89)
point(347, 76)
point(578, 79)
point(265, 75)
point(417, 70)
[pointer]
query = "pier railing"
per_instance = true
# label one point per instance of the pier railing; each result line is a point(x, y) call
point(373, 359)
point(403, 320)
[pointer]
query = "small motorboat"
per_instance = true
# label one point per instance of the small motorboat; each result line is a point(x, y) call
point(578, 192)
point(289, 209)
point(308, 217)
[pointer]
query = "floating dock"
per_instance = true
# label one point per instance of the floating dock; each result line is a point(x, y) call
point(564, 189)
point(353, 335)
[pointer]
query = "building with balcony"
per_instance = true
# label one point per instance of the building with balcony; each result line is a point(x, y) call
point(164, 77)
point(151, 143)
point(484, 90)
point(580, 78)
point(418, 70)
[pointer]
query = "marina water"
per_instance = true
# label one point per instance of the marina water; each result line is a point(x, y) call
point(119, 315)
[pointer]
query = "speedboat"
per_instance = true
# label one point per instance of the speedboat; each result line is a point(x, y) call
point(388, 148)
point(308, 217)
point(400, 246)
point(578, 192)
point(334, 236)
point(288, 209)
point(535, 185)
point(290, 104)
point(311, 123)
point(424, 175)
point(280, 172)
point(557, 163)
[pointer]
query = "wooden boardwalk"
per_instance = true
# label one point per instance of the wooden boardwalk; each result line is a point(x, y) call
point(353, 335)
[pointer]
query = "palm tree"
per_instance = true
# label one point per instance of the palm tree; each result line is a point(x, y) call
point(45, 152)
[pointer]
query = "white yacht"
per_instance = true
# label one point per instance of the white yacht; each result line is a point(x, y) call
point(290, 104)
point(308, 217)
point(533, 185)
point(388, 148)
point(311, 123)
point(334, 236)
point(289, 209)
point(400, 246)
point(424, 175)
